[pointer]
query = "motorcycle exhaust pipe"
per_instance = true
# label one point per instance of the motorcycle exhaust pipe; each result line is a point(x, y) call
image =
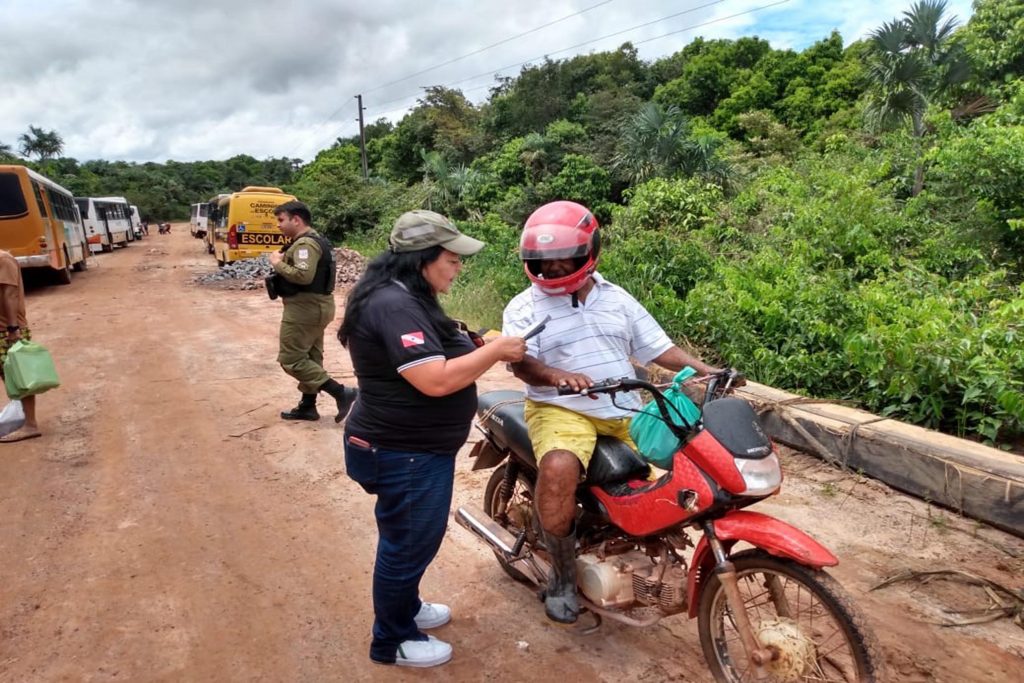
point(502, 543)
point(487, 529)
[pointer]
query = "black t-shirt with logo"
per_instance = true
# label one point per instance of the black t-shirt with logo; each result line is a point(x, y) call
point(396, 333)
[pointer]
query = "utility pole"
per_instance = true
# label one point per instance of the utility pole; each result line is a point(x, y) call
point(362, 139)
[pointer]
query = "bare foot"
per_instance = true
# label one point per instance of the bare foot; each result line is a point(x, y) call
point(21, 434)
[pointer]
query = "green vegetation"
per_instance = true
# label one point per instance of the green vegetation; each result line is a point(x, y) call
point(846, 222)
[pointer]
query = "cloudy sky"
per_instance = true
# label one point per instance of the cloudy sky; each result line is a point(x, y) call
point(151, 80)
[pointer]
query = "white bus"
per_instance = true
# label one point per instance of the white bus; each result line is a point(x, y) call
point(106, 220)
point(128, 213)
point(198, 221)
point(202, 222)
point(136, 222)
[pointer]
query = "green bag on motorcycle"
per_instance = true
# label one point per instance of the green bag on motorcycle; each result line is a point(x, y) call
point(29, 370)
point(652, 436)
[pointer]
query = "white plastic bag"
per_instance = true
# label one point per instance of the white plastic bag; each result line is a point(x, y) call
point(11, 417)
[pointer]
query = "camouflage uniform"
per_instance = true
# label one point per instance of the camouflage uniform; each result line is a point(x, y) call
point(306, 316)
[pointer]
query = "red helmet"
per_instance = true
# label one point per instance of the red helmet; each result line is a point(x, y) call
point(555, 231)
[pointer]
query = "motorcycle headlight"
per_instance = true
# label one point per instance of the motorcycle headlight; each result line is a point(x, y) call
point(762, 476)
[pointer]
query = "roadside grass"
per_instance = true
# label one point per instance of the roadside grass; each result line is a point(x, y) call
point(479, 305)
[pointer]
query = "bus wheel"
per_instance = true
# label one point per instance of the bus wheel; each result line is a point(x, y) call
point(64, 274)
point(83, 264)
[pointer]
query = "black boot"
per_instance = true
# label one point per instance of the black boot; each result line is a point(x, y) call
point(342, 395)
point(560, 602)
point(306, 410)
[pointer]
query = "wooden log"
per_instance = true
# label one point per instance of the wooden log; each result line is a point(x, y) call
point(975, 480)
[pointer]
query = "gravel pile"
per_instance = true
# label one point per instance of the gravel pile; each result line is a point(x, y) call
point(351, 265)
point(248, 274)
point(246, 269)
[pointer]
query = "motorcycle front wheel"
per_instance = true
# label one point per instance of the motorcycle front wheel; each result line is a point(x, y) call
point(802, 615)
point(518, 514)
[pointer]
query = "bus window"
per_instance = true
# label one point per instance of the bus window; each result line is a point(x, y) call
point(63, 207)
point(12, 201)
point(39, 199)
point(83, 208)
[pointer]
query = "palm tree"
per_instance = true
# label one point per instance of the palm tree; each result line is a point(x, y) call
point(41, 143)
point(658, 142)
point(445, 184)
point(913, 64)
point(535, 155)
point(6, 152)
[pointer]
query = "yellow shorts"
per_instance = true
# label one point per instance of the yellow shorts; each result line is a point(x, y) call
point(555, 428)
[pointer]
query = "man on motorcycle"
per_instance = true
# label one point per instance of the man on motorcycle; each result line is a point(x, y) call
point(595, 327)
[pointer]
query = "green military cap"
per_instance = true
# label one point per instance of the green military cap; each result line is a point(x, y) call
point(421, 229)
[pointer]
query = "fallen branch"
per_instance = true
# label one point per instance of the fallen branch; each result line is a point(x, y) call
point(823, 452)
point(262, 405)
point(248, 431)
point(998, 610)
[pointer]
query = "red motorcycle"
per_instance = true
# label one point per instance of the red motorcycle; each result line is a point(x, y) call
point(767, 613)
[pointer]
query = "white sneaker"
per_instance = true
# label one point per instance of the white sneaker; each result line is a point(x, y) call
point(423, 653)
point(432, 615)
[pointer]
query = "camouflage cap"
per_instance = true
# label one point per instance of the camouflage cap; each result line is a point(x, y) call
point(421, 229)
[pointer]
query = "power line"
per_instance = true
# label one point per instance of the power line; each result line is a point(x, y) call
point(609, 35)
point(617, 33)
point(640, 42)
point(731, 16)
point(484, 49)
point(571, 47)
point(470, 54)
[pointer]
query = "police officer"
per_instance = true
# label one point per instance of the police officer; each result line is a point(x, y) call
point(304, 276)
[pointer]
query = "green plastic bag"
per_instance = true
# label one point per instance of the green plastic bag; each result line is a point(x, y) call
point(29, 370)
point(653, 438)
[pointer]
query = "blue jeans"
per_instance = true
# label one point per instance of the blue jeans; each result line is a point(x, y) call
point(414, 494)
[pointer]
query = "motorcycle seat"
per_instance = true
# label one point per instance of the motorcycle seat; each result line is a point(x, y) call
point(506, 423)
point(613, 461)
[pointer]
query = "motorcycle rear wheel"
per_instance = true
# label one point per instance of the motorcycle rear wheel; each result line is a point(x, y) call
point(520, 508)
point(810, 621)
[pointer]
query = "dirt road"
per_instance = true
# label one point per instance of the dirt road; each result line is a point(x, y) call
point(170, 527)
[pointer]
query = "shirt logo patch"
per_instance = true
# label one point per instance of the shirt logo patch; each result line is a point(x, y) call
point(303, 253)
point(412, 339)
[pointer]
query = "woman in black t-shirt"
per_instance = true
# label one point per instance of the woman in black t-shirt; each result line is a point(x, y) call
point(417, 397)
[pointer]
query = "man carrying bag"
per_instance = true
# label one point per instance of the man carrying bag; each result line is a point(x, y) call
point(13, 342)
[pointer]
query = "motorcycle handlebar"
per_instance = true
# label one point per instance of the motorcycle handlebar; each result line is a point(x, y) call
point(608, 386)
point(729, 376)
point(680, 428)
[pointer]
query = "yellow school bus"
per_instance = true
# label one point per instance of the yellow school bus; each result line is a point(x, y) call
point(245, 225)
point(39, 223)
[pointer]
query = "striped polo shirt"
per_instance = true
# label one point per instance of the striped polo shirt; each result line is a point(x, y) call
point(596, 339)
